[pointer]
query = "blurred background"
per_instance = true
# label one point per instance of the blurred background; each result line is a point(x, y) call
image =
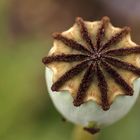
point(26, 111)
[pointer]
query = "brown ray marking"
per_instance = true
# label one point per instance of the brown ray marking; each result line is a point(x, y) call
point(71, 43)
point(116, 38)
point(70, 74)
point(92, 130)
point(84, 33)
point(64, 58)
point(84, 85)
point(102, 84)
point(117, 78)
point(101, 31)
point(123, 51)
point(123, 65)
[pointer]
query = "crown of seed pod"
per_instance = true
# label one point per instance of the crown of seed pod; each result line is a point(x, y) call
point(92, 73)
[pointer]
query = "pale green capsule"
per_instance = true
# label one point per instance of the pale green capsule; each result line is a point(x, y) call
point(90, 111)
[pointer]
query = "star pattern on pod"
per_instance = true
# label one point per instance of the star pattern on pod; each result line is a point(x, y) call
point(93, 59)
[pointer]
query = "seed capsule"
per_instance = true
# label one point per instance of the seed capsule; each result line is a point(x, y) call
point(92, 73)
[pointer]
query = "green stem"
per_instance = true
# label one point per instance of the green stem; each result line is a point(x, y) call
point(80, 134)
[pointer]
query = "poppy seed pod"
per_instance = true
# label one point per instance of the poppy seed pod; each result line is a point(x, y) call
point(93, 73)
